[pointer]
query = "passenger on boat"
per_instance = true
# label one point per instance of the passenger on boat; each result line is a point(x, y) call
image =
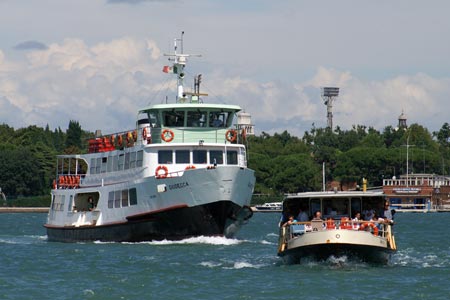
point(387, 214)
point(356, 220)
point(91, 204)
point(302, 216)
point(290, 221)
point(217, 122)
point(317, 216)
point(377, 220)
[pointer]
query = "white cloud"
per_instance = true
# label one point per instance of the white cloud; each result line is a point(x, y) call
point(103, 85)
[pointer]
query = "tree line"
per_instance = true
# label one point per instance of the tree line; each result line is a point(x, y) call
point(283, 163)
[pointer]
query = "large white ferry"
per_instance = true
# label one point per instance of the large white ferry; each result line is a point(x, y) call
point(336, 234)
point(181, 172)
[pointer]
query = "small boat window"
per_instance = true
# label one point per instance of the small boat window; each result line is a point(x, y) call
point(232, 158)
point(165, 157)
point(335, 207)
point(121, 162)
point(182, 156)
point(199, 156)
point(216, 156)
point(315, 206)
point(153, 119)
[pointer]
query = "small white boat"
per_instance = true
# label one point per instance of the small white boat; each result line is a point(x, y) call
point(269, 207)
point(337, 235)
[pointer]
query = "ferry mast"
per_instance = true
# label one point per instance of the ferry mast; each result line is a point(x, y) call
point(179, 62)
point(329, 94)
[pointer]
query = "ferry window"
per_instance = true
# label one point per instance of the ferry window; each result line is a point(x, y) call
point(115, 163)
point(127, 161)
point(164, 156)
point(104, 163)
point(121, 161)
point(216, 156)
point(173, 118)
point(232, 158)
point(133, 196)
point(315, 206)
point(92, 166)
point(182, 156)
point(98, 164)
point(110, 162)
point(199, 156)
point(217, 119)
point(117, 199)
point(196, 119)
point(132, 160)
point(111, 200)
point(139, 158)
point(153, 119)
point(124, 198)
point(356, 206)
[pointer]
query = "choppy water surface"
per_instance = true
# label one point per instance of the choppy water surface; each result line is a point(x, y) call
point(217, 268)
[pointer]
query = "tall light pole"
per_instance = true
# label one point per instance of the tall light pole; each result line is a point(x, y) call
point(329, 94)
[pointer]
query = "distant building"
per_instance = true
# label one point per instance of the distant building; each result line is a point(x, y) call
point(245, 122)
point(402, 121)
point(418, 192)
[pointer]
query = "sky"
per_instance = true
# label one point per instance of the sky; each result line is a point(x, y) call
point(99, 61)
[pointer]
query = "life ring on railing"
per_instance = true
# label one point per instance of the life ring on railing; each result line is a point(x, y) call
point(54, 184)
point(191, 167)
point(231, 135)
point(167, 135)
point(134, 134)
point(165, 171)
point(369, 224)
point(120, 140)
point(345, 223)
point(113, 139)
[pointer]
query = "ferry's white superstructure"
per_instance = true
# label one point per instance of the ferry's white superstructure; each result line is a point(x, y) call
point(181, 172)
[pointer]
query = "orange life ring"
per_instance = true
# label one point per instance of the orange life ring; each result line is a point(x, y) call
point(167, 135)
point(191, 167)
point(345, 223)
point(113, 139)
point(369, 224)
point(134, 135)
point(120, 140)
point(165, 170)
point(231, 135)
point(54, 184)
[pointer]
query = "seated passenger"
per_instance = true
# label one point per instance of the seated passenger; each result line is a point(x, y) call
point(290, 221)
point(356, 220)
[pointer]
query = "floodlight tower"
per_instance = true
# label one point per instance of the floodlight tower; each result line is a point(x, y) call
point(329, 94)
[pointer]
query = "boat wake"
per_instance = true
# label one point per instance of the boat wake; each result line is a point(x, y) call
point(209, 240)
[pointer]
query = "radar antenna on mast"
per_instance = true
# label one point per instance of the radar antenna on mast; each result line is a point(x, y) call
point(179, 62)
